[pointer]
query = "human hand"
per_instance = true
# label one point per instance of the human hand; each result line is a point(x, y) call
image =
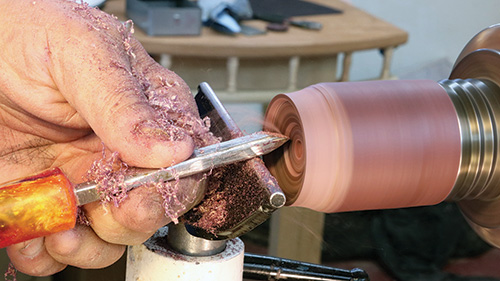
point(72, 79)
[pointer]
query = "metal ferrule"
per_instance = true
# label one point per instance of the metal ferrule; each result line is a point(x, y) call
point(187, 244)
point(478, 111)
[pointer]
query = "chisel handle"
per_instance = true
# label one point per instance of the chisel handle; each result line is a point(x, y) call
point(36, 206)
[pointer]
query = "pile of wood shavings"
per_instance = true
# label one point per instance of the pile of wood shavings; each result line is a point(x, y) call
point(109, 175)
point(81, 218)
point(234, 192)
point(174, 201)
point(171, 203)
point(173, 121)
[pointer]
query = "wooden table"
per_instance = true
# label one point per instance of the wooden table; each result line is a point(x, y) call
point(353, 30)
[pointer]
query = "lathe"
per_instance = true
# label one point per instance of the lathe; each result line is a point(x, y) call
point(353, 146)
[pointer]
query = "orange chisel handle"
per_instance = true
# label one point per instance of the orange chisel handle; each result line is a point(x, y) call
point(46, 203)
point(36, 206)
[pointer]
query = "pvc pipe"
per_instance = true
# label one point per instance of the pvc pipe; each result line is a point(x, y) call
point(156, 261)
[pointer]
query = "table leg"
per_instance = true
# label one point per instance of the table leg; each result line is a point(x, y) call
point(293, 65)
point(346, 66)
point(335, 61)
point(386, 67)
point(233, 64)
point(166, 60)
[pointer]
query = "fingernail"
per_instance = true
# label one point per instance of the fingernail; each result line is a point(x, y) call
point(32, 247)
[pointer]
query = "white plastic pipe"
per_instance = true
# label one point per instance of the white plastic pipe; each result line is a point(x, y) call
point(156, 262)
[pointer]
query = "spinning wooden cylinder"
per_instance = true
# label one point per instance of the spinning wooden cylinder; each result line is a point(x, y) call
point(391, 144)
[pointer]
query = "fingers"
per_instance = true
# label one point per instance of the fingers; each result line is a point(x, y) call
point(139, 216)
point(133, 222)
point(94, 72)
point(161, 81)
point(166, 92)
point(32, 258)
point(91, 59)
point(117, 88)
point(142, 211)
point(79, 247)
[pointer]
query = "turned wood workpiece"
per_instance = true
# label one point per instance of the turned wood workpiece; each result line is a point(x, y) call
point(359, 146)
